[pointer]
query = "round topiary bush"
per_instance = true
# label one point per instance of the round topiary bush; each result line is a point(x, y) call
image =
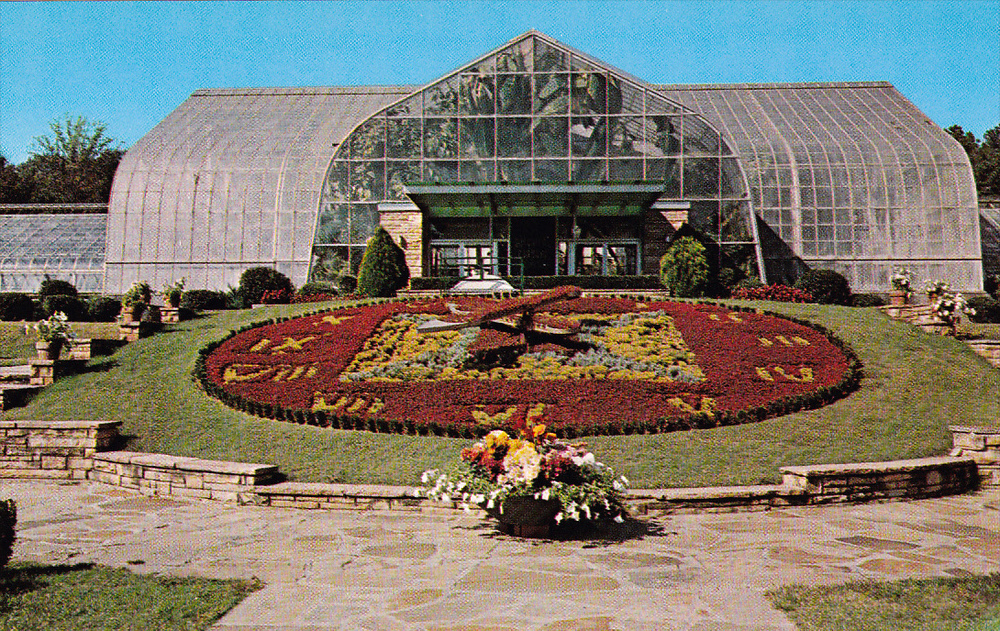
point(56, 287)
point(8, 521)
point(74, 308)
point(867, 300)
point(383, 267)
point(16, 306)
point(256, 280)
point(826, 286)
point(104, 308)
point(684, 268)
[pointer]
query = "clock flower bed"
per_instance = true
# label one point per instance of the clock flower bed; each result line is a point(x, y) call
point(622, 365)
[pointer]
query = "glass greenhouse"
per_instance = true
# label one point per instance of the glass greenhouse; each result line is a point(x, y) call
point(540, 159)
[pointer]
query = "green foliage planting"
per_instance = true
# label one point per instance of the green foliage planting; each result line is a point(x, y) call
point(8, 525)
point(104, 308)
point(74, 308)
point(347, 284)
point(16, 306)
point(383, 268)
point(68, 597)
point(138, 293)
point(684, 268)
point(935, 604)
point(203, 300)
point(318, 287)
point(987, 309)
point(826, 286)
point(256, 280)
point(56, 287)
point(867, 300)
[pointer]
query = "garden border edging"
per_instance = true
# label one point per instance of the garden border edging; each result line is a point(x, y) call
point(77, 450)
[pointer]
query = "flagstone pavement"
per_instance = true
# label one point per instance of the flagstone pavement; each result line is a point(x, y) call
point(447, 571)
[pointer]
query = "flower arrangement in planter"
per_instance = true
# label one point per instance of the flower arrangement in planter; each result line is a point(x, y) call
point(902, 286)
point(135, 300)
point(949, 307)
point(532, 482)
point(936, 289)
point(53, 333)
point(172, 293)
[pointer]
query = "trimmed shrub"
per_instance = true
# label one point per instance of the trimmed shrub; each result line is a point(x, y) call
point(203, 300)
point(74, 308)
point(383, 269)
point(992, 285)
point(56, 287)
point(827, 286)
point(317, 287)
point(867, 300)
point(684, 268)
point(104, 308)
point(256, 280)
point(16, 306)
point(347, 284)
point(987, 309)
point(8, 522)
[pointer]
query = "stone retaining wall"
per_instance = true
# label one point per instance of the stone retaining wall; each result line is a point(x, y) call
point(982, 444)
point(53, 449)
point(178, 476)
point(987, 349)
point(863, 481)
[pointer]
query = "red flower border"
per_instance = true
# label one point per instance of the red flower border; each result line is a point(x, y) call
point(757, 365)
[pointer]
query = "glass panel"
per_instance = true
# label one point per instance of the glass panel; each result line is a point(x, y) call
point(589, 170)
point(367, 180)
point(476, 95)
point(732, 179)
point(412, 106)
point(364, 222)
point(551, 94)
point(513, 137)
point(552, 170)
point(658, 105)
point(589, 135)
point(625, 170)
point(477, 137)
point(663, 135)
point(699, 138)
point(733, 222)
point(441, 171)
point(548, 58)
point(513, 94)
point(333, 225)
point(551, 136)
point(626, 136)
point(403, 138)
point(514, 170)
point(368, 141)
point(589, 93)
point(441, 98)
point(515, 58)
point(478, 171)
point(440, 138)
point(701, 177)
point(399, 174)
point(669, 170)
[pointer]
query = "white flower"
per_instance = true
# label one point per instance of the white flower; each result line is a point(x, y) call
point(618, 519)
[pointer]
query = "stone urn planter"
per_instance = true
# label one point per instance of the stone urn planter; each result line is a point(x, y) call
point(899, 298)
point(526, 516)
point(49, 350)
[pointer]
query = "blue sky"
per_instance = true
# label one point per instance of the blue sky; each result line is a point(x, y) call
point(130, 64)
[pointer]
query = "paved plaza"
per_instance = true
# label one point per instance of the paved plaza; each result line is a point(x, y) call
point(404, 571)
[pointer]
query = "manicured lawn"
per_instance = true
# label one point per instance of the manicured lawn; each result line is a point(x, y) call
point(18, 345)
point(78, 597)
point(915, 385)
point(937, 604)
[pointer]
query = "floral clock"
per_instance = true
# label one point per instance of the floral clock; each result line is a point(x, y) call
point(590, 365)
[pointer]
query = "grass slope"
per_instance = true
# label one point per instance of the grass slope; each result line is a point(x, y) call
point(72, 597)
point(915, 385)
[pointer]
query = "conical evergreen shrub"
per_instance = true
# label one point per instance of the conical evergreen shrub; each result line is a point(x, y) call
point(383, 268)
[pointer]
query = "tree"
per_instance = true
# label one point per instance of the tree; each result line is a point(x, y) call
point(684, 268)
point(383, 267)
point(75, 164)
point(987, 164)
point(965, 138)
point(11, 187)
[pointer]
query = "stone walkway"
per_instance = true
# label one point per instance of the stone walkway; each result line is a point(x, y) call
point(450, 571)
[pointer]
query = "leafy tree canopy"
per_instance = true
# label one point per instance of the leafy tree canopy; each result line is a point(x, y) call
point(74, 163)
point(985, 158)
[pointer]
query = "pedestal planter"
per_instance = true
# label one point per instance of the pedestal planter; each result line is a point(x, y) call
point(526, 516)
point(898, 298)
point(49, 350)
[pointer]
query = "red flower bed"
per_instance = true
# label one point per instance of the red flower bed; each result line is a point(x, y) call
point(754, 365)
point(777, 293)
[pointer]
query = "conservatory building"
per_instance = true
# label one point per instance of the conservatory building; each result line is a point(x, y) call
point(538, 159)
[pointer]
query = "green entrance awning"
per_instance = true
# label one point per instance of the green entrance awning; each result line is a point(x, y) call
point(613, 199)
